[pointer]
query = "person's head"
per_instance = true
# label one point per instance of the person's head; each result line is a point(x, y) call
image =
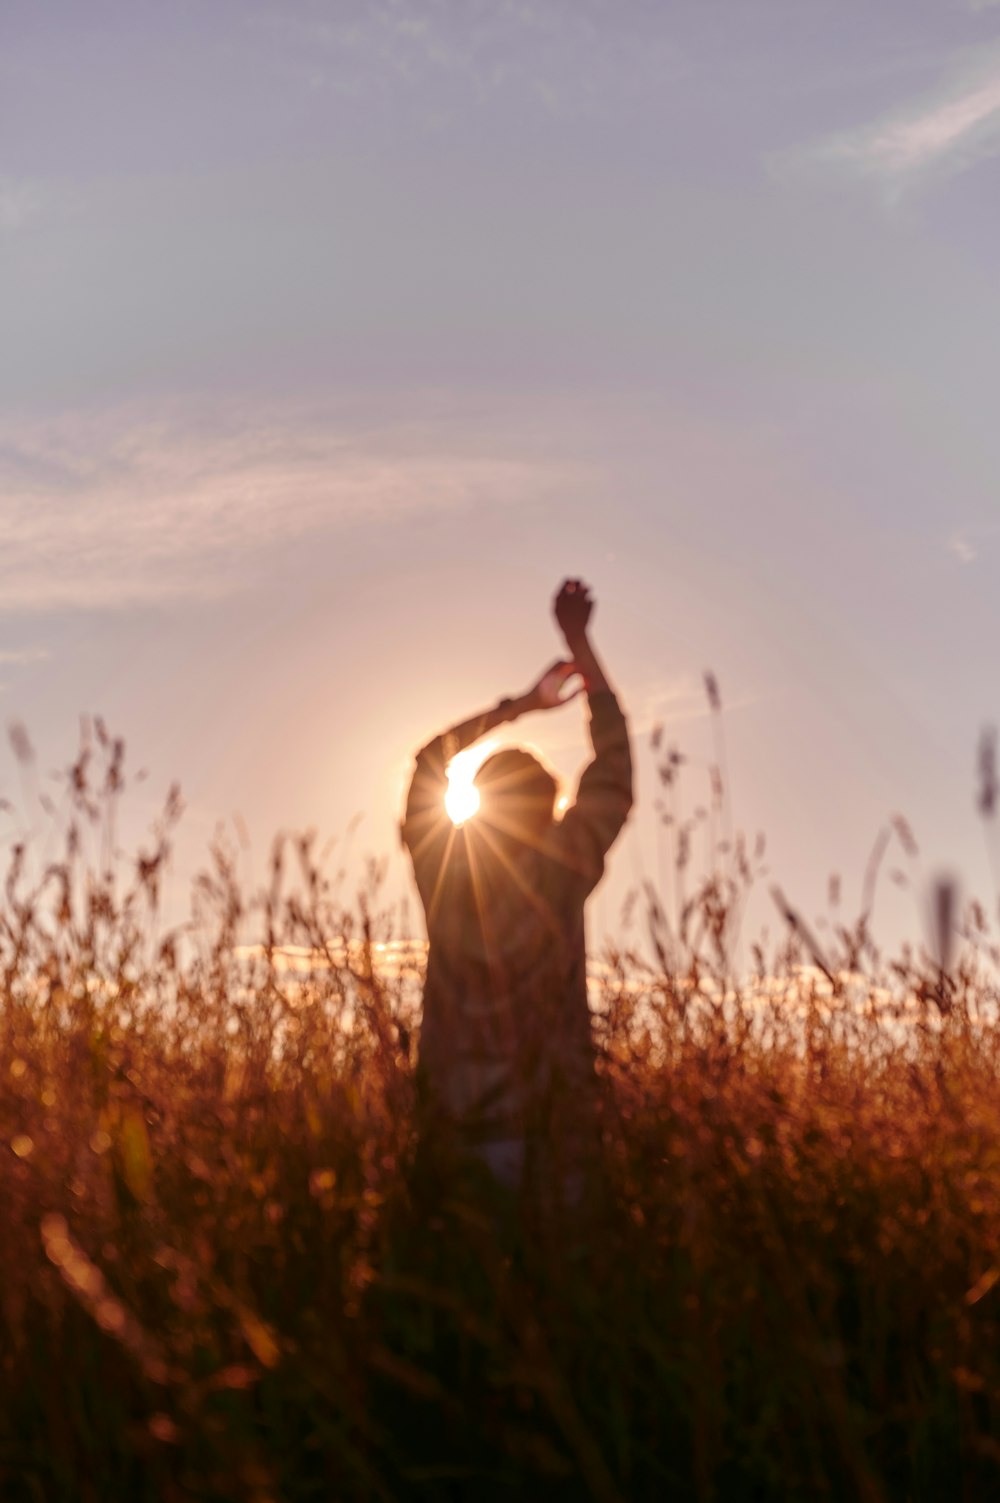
point(517, 794)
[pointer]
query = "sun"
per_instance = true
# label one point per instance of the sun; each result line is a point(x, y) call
point(461, 801)
point(462, 798)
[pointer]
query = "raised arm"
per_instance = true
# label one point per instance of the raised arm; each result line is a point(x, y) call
point(425, 826)
point(604, 796)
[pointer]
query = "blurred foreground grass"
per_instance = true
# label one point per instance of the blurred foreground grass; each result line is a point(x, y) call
point(222, 1278)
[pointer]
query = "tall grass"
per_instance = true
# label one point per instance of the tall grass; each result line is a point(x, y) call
point(226, 1273)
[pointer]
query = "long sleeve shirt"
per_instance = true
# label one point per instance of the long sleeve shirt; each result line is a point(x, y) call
point(506, 1040)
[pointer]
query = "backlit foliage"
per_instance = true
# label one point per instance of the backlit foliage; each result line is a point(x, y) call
point(223, 1274)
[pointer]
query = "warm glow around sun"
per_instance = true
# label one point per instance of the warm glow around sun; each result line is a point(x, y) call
point(461, 801)
point(462, 798)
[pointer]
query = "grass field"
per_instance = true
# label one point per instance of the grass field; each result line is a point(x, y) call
point(223, 1277)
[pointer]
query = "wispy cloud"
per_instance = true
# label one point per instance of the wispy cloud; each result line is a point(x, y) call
point(677, 702)
point(568, 57)
point(18, 657)
point(118, 511)
point(946, 131)
point(966, 543)
point(19, 202)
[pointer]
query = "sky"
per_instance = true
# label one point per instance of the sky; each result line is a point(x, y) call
point(334, 335)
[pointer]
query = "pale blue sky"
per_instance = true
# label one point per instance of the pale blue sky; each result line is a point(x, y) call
point(335, 334)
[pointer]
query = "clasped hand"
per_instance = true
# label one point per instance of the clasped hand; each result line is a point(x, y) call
point(551, 689)
point(572, 607)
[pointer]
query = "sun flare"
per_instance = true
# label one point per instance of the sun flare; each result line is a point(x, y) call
point(461, 801)
point(462, 798)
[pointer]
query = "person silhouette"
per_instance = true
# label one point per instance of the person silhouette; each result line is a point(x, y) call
point(506, 1057)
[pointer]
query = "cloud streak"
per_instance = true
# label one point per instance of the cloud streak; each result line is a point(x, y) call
point(567, 57)
point(967, 542)
point(114, 512)
point(20, 656)
point(946, 131)
point(678, 702)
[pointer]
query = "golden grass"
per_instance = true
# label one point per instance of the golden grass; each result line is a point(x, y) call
point(224, 1276)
